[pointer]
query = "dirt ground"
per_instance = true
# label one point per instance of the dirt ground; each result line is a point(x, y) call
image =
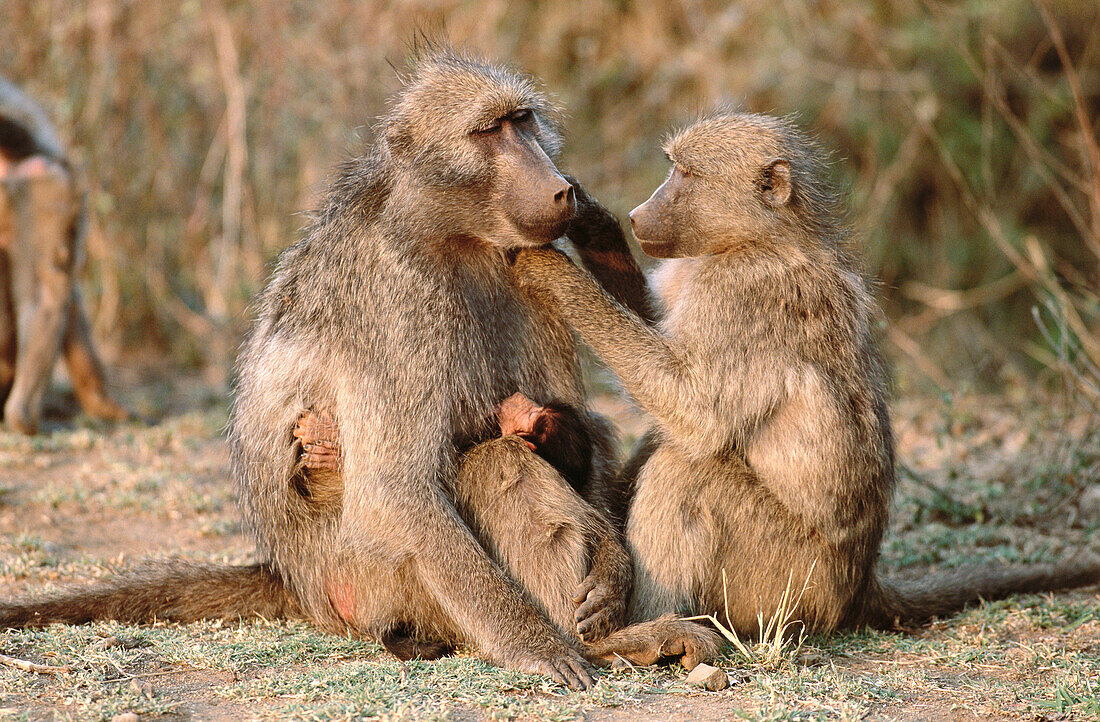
point(1006, 479)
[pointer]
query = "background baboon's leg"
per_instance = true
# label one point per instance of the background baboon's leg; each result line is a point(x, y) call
point(7, 327)
point(42, 257)
point(7, 307)
point(85, 368)
point(530, 521)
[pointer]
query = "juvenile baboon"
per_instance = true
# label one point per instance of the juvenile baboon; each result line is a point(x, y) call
point(771, 460)
point(395, 316)
point(42, 226)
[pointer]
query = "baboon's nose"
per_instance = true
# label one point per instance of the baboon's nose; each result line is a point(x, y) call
point(564, 197)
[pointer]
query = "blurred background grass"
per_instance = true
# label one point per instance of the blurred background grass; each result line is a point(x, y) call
point(965, 133)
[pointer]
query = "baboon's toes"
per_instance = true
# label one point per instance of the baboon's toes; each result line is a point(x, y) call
point(316, 427)
point(319, 457)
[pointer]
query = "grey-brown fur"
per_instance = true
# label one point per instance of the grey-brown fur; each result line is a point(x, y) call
point(43, 221)
point(396, 315)
point(771, 460)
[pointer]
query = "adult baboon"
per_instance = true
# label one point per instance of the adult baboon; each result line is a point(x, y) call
point(42, 226)
point(771, 459)
point(395, 315)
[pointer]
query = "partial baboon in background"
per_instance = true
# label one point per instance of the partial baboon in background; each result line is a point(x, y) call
point(42, 225)
point(395, 315)
point(771, 459)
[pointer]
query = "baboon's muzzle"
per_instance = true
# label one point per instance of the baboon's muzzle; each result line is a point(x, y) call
point(538, 199)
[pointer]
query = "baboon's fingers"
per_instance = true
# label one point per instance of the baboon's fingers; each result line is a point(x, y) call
point(597, 599)
point(579, 674)
point(316, 427)
point(595, 627)
point(587, 585)
point(690, 642)
point(568, 673)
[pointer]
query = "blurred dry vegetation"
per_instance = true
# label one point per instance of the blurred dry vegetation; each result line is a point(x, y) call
point(965, 133)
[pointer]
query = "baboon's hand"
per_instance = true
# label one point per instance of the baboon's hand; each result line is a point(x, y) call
point(561, 664)
point(601, 607)
point(592, 226)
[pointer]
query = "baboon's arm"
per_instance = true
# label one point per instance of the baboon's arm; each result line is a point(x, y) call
point(713, 404)
point(599, 239)
point(602, 596)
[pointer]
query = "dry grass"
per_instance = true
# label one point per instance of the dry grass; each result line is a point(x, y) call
point(991, 479)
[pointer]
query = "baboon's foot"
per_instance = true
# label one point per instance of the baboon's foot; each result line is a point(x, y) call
point(317, 432)
point(18, 419)
point(647, 643)
point(106, 408)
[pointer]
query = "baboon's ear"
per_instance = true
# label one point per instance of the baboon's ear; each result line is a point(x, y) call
point(776, 182)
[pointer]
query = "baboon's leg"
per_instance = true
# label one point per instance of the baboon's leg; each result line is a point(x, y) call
point(85, 368)
point(7, 307)
point(530, 521)
point(668, 544)
point(708, 544)
point(7, 324)
point(42, 260)
point(382, 599)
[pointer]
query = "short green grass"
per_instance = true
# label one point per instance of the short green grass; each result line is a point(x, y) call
point(974, 490)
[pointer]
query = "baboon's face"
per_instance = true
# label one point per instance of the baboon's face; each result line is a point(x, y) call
point(726, 188)
point(664, 224)
point(532, 197)
point(480, 139)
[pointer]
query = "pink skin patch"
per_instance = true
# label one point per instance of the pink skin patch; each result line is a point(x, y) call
point(342, 598)
point(518, 415)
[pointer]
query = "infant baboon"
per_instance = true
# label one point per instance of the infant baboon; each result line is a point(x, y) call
point(43, 221)
point(771, 459)
point(395, 317)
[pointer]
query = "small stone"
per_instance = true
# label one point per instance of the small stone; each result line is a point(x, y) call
point(811, 658)
point(1089, 505)
point(105, 643)
point(708, 677)
point(126, 717)
point(142, 689)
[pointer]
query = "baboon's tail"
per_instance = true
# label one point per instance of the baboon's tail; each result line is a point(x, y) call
point(942, 594)
point(174, 591)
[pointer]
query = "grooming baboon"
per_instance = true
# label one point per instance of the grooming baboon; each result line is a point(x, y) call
point(42, 226)
point(771, 460)
point(395, 315)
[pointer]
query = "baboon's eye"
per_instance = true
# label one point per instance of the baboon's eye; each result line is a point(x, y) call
point(520, 116)
point(491, 128)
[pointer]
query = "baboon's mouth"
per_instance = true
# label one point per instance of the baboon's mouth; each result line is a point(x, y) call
point(656, 249)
